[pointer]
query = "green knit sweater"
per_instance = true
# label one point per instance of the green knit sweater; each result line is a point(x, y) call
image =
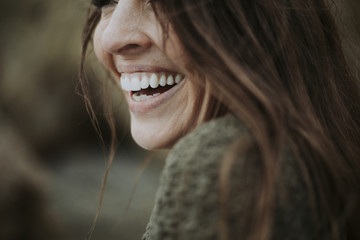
point(187, 203)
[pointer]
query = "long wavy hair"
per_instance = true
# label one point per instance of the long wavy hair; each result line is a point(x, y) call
point(278, 65)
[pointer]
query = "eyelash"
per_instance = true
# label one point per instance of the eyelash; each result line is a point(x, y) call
point(103, 3)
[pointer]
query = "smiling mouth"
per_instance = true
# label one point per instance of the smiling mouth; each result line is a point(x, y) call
point(143, 86)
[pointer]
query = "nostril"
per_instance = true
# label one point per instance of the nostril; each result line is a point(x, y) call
point(130, 48)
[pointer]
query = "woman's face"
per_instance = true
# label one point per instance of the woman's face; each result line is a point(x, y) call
point(162, 101)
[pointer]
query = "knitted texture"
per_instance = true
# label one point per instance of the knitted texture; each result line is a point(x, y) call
point(187, 205)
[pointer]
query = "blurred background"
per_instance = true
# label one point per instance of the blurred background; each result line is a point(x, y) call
point(51, 161)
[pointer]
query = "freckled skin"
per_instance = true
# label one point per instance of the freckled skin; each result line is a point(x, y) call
point(129, 34)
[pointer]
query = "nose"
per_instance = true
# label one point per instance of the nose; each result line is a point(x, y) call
point(125, 33)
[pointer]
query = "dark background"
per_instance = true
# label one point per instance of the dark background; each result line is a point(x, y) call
point(51, 161)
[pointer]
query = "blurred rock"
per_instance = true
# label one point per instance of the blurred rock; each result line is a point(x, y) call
point(25, 212)
point(75, 194)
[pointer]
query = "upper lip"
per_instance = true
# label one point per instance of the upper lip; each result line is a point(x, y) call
point(122, 68)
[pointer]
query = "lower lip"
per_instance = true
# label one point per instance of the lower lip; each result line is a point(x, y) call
point(150, 104)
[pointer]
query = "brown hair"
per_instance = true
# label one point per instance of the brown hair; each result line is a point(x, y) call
point(282, 72)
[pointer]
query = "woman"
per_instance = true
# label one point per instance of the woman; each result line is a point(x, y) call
point(257, 105)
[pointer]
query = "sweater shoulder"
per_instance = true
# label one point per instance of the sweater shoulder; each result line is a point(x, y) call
point(208, 142)
point(188, 199)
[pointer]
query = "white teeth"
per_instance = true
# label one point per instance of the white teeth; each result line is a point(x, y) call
point(122, 83)
point(125, 83)
point(162, 80)
point(154, 82)
point(138, 81)
point(178, 78)
point(141, 97)
point(170, 80)
point(145, 82)
point(135, 84)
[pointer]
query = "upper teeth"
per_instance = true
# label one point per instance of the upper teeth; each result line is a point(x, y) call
point(138, 81)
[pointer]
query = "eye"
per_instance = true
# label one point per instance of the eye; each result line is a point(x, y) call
point(103, 3)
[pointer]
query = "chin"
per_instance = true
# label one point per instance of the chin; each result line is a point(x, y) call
point(150, 138)
point(160, 121)
point(145, 143)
